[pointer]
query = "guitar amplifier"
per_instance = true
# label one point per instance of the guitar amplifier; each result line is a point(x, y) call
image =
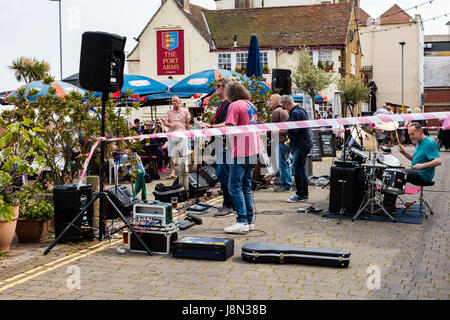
point(123, 199)
point(159, 212)
point(209, 174)
point(202, 184)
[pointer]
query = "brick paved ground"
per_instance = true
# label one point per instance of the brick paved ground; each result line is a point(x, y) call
point(413, 260)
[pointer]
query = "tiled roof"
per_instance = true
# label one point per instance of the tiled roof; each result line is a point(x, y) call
point(290, 26)
point(361, 16)
point(196, 17)
point(394, 15)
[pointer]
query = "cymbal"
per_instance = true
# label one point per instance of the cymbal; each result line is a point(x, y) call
point(388, 126)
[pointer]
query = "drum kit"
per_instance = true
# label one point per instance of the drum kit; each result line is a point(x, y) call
point(383, 173)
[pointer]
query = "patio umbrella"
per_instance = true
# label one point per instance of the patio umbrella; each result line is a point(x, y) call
point(254, 59)
point(62, 89)
point(298, 97)
point(200, 82)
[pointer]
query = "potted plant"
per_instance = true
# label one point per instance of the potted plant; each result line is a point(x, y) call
point(19, 143)
point(265, 69)
point(35, 214)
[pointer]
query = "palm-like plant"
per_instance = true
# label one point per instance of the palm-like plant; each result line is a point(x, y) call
point(29, 70)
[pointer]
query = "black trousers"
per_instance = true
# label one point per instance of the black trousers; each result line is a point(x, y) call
point(412, 177)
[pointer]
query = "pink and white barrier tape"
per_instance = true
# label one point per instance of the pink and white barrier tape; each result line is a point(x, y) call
point(260, 128)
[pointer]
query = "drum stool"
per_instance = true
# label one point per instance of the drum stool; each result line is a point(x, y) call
point(422, 200)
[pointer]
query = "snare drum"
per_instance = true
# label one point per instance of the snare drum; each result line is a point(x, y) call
point(356, 155)
point(394, 181)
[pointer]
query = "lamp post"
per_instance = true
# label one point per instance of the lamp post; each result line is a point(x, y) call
point(60, 39)
point(402, 43)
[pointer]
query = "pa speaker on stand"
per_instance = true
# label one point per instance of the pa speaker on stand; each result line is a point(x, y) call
point(281, 79)
point(102, 61)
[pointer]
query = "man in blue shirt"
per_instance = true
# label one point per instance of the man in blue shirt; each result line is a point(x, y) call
point(300, 145)
point(423, 161)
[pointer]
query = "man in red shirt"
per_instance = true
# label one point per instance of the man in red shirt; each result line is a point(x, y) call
point(244, 155)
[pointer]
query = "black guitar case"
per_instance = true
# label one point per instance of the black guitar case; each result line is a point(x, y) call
point(266, 252)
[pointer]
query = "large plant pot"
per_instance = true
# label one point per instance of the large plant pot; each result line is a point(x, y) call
point(32, 230)
point(7, 230)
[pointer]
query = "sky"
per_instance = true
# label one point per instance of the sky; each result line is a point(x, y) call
point(30, 28)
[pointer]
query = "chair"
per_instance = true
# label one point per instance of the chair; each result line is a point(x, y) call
point(113, 165)
point(422, 200)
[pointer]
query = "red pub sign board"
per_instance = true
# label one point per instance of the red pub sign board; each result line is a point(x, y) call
point(170, 52)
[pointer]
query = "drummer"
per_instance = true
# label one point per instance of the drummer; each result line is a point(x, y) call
point(423, 161)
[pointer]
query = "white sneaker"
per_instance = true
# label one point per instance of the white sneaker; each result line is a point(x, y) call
point(251, 226)
point(237, 227)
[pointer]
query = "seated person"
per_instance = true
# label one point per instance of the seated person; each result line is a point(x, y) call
point(424, 160)
point(120, 157)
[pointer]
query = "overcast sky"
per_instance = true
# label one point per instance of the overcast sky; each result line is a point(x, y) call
point(31, 27)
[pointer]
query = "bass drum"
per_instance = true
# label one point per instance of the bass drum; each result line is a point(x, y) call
point(389, 160)
point(394, 181)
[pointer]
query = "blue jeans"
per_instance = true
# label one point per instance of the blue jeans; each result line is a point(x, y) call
point(223, 174)
point(284, 167)
point(298, 170)
point(240, 188)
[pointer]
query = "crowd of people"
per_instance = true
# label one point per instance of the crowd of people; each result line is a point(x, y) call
point(238, 156)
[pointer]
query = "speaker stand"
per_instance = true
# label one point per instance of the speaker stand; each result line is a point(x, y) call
point(99, 195)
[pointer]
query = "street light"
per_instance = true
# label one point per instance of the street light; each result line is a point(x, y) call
point(402, 43)
point(60, 39)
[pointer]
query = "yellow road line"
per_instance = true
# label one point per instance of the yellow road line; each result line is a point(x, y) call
point(78, 256)
point(48, 264)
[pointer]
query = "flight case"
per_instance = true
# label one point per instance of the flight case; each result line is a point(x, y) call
point(203, 248)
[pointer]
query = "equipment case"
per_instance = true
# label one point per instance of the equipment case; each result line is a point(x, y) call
point(267, 252)
point(158, 239)
point(203, 248)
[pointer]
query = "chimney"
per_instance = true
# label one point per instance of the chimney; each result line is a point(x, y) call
point(186, 5)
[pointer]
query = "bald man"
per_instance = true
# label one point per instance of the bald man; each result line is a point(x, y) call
point(281, 115)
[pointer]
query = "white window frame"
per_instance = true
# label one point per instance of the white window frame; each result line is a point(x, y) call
point(234, 58)
point(224, 56)
point(328, 54)
point(353, 63)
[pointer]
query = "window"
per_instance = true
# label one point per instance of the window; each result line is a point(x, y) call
point(264, 59)
point(353, 64)
point(224, 61)
point(428, 45)
point(325, 56)
point(241, 59)
point(238, 60)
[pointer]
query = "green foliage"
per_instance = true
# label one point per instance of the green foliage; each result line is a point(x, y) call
point(71, 127)
point(20, 145)
point(310, 78)
point(353, 90)
point(31, 203)
point(29, 70)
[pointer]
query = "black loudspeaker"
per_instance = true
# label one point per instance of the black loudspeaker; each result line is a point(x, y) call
point(102, 61)
point(68, 202)
point(281, 79)
point(203, 185)
point(123, 199)
point(209, 174)
point(354, 189)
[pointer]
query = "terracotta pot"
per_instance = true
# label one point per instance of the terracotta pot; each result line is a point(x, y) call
point(7, 230)
point(32, 230)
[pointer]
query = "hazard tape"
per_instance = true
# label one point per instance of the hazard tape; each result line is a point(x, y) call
point(261, 128)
